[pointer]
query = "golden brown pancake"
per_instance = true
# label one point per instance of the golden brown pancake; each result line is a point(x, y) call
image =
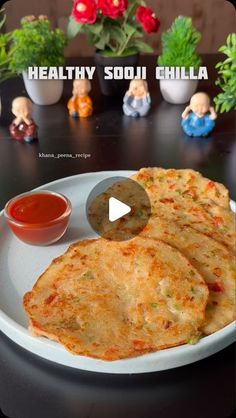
point(214, 262)
point(186, 182)
point(189, 206)
point(113, 300)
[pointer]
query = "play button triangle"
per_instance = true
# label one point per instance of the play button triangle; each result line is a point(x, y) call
point(117, 209)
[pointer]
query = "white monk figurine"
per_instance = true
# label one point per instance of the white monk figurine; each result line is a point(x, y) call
point(137, 101)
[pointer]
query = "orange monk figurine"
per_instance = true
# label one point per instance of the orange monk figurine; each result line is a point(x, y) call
point(80, 104)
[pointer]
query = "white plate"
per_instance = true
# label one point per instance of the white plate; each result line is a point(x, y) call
point(21, 265)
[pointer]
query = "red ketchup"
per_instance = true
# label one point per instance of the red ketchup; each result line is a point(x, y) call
point(38, 218)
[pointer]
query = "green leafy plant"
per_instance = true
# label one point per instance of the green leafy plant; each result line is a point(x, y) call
point(35, 43)
point(114, 27)
point(179, 45)
point(5, 54)
point(226, 100)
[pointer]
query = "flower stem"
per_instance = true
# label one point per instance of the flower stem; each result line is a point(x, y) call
point(121, 50)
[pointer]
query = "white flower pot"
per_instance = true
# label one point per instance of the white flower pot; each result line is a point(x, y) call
point(178, 91)
point(43, 92)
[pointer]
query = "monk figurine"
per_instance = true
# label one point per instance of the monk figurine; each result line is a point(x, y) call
point(23, 127)
point(137, 101)
point(80, 104)
point(198, 119)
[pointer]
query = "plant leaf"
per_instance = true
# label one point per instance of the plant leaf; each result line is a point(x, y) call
point(129, 29)
point(142, 46)
point(96, 28)
point(179, 45)
point(73, 28)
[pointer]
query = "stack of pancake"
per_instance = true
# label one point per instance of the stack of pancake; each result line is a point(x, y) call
point(171, 285)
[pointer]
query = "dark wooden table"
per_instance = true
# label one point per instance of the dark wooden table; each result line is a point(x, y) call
point(31, 387)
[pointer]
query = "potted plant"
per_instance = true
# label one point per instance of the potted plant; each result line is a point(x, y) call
point(5, 55)
point(35, 43)
point(226, 80)
point(179, 50)
point(116, 29)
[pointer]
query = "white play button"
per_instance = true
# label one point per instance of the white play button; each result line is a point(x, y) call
point(117, 209)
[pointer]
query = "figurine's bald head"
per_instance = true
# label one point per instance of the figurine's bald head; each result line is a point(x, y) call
point(138, 88)
point(200, 104)
point(22, 106)
point(81, 87)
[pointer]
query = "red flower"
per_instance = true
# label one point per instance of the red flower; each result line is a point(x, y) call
point(84, 11)
point(112, 8)
point(147, 18)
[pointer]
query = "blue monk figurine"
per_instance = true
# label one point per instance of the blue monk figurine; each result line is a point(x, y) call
point(198, 119)
point(137, 101)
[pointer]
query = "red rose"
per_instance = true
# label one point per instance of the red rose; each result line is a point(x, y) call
point(112, 8)
point(84, 11)
point(147, 18)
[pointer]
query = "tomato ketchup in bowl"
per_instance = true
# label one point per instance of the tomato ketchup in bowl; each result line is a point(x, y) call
point(39, 217)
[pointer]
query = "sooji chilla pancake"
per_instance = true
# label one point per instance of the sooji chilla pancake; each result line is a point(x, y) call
point(116, 300)
point(214, 262)
point(201, 213)
point(186, 182)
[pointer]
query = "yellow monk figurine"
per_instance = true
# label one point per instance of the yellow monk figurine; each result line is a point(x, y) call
point(80, 104)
